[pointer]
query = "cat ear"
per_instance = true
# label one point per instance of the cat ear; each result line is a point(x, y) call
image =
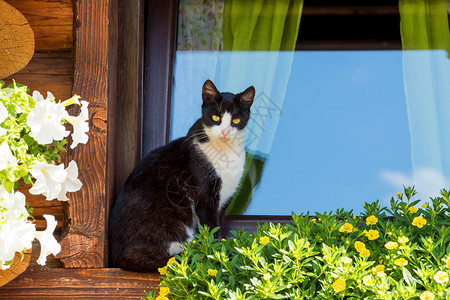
point(209, 91)
point(247, 96)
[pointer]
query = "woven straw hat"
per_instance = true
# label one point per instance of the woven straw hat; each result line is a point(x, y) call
point(16, 40)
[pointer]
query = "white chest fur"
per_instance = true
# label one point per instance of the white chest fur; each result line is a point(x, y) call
point(228, 159)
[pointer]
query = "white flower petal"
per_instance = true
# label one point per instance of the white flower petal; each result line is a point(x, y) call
point(45, 120)
point(37, 96)
point(16, 234)
point(72, 183)
point(80, 125)
point(3, 113)
point(49, 245)
point(6, 157)
point(48, 179)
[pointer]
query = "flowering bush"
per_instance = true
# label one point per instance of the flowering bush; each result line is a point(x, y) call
point(32, 135)
point(330, 256)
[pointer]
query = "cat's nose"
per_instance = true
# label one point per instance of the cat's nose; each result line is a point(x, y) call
point(225, 133)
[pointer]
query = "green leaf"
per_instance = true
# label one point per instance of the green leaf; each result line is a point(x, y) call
point(409, 279)
point(8, 185)
point(27, 179)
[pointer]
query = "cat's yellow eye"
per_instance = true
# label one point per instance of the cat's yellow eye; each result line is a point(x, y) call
point(215, 118)
point(236, 121)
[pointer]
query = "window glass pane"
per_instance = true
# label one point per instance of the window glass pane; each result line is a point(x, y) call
point(329, 129)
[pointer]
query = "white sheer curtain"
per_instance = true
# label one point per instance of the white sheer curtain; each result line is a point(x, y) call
point(426, 68)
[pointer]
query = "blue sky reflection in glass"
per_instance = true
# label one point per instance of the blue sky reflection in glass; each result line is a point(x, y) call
point(341, 133)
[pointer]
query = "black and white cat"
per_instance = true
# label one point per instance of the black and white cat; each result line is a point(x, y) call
point(186, 182)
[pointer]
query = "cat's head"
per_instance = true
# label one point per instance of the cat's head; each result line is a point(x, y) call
point(225, 115)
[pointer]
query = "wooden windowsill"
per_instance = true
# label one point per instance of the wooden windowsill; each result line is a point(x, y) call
point(59, 283)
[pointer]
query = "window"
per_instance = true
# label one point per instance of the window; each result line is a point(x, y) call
point(342, 114)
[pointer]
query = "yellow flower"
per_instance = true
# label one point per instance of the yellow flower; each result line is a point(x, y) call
point(424, 205)
point(427, 296)
point(164, 291)
point(212, 272)
point(364, 252)
point(359, 246)
point(399, 195)
point(419, 221)
point(448, 262)
point(412, 210)
point(171, 261)
point(401, 262)
point(372, 234)
point(346, 260)
point(163, 270)
point(441, 277)
point(368, 280)
point(267, 276)
point(372, 220)
point(347, 227)
point(403, 240)
point(391, 245)
point(377, 269)
point(314, 220)
point(264, 240)
point(223, 240)
point(162, 298)
point(339, 285)
point(381, 274)
point(445, 198)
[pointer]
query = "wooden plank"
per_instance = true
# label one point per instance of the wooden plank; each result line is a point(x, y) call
point(38, 283)
point(84, 237)
point(129, 83)
point(48, 72)
point(51, 21)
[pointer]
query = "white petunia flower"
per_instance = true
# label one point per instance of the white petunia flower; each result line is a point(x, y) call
point(6, 157)
point(72, 183)
point(14, 203)
point(15, 236)
point(16, 232)
point(80, 126)
point(49, 179)
point(45, 120)
point(3, 116)
point(49, 245)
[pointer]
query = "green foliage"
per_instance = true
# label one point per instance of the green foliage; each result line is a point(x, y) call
point(331, 256)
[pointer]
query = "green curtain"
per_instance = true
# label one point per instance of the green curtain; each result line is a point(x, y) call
point(266, 25)
point(260, 25)
point(424, 29)
point(424, 24)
